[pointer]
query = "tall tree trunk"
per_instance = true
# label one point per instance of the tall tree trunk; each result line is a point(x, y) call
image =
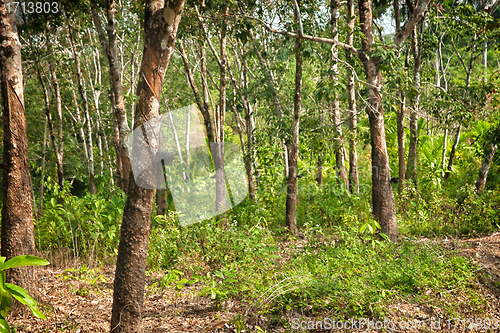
point(411, 168)
point(57, 142)
point(78, 122)
point(161, 21)
point(335, 103)
point(401, 139)
point(109, 44)
point(58, 148)
point(83, 95)
point(220, 118)
point(445, 145)
point(382, 196)
point(351, 90)
point(400, 113)
point(249, 127)
point(485, 167)
point(293, 147)
point(442, 82)
point(453, 152)
point(17, 232)
point(42, 171)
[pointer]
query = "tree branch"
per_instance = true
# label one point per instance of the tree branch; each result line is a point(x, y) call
point(416, 16)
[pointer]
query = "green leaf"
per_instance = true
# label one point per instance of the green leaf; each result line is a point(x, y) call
point(4, 326)
point(5, 298)
point(22, 296)
point(23, 261)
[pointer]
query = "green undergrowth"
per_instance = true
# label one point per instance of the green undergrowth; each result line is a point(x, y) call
point(339, 269)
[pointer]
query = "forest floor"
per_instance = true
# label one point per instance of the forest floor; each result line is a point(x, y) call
point(80, 301)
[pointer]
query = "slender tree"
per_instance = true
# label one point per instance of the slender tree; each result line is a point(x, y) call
point(351, 90)
point(161, 21)
point(293, 146)
point(109, 44)
point(335, 103)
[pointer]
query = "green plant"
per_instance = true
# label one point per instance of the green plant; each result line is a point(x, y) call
point(8, 290)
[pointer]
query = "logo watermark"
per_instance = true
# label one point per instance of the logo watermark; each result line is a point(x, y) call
point(204, 178)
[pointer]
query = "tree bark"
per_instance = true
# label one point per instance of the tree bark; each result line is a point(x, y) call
point(109, 44)
point(83, 95)
point(161, 202)
point(161, 21)
point(249, 150)
point(382, 196)
point(58, 148)
point(335, 103)
point(220, 119)
point(411, 168)
point(401, 139)
point(485, 167)
point(56, 142)
point(351, 90)
point(42, 171)
point(17, 232)
point(293, 147)
point(453, 152)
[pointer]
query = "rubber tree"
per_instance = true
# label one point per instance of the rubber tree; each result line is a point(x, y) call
point(293, 147)
point(17, 230)
point(382, 194)
point(109, 44)
point(161, 21)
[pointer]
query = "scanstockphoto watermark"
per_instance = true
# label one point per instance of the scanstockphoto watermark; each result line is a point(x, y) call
point(364, 324)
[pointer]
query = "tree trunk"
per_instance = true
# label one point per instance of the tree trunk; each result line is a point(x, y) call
point(453, 152)
point(220, 118)
point(249, 151)
point(335, 103)
point(17, 232)
point(56, 142)
point(400, 113)
point(160, 30)
point(445, 146)
point(351, 90)
point(58, 148)
point(42, 171)
point(293, 148)
point(83, 95)
point(401, 140)
point(382, 196)
point(109, 44)
point(485, 167)
point(78, 122)
point(161, 202)
point(411, 168)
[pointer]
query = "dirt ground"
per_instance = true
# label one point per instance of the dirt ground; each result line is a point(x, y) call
point(77, 306)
